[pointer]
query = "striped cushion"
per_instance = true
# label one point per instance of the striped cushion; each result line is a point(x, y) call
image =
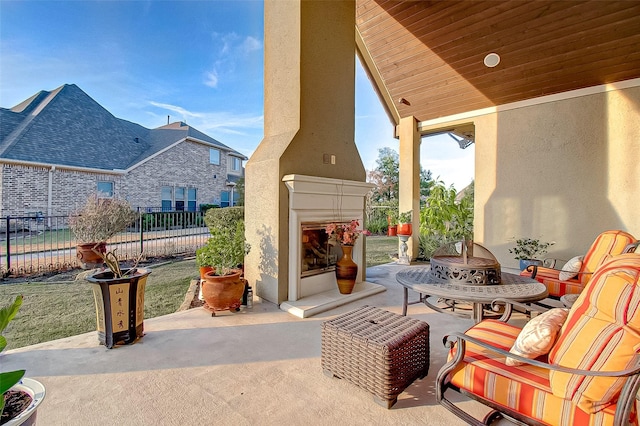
point(524, 389)
point(602, 332)
point(607, 244)
point(557, 287)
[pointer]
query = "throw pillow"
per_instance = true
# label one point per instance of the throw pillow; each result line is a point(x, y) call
point(571, 268)
point(538, 335)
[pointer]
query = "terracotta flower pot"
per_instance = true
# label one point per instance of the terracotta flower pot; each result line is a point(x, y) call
point(222, 292)
point(87, 257)
point(392, 230)
point(204, 270)
point(405, 229)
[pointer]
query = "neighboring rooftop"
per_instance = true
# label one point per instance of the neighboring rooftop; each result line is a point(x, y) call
point(67, 127)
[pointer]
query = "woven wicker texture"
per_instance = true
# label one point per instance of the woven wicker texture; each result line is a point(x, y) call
point(377, 350)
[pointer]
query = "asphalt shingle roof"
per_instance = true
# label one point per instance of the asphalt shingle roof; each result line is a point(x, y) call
point(67, 127)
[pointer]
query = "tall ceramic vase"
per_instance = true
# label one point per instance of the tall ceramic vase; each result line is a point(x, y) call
point(346, 271)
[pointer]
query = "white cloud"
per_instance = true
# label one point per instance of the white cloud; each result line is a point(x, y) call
point(179, 110)
point(251, 44)
point(211, 79)
point(222, 121)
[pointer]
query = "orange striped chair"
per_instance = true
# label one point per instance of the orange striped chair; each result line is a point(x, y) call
point(607, 244)
point(590, 376)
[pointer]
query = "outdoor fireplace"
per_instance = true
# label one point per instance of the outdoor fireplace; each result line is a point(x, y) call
point(313, 203)
point(319, 252)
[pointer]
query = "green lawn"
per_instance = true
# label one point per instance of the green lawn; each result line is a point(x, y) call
point(379, 249)
point(55, 310)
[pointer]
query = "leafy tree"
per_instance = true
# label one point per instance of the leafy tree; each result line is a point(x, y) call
point(239, 189)
point(426, 183)
point(445, 218)
point(386, 177)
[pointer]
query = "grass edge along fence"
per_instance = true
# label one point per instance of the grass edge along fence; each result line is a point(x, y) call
point(36, 244)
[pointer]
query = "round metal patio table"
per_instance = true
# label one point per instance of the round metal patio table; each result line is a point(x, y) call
point(513, 287)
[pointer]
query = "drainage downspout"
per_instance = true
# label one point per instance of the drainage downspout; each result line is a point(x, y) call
point(50, 195)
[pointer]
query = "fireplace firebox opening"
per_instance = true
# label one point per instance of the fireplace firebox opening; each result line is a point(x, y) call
point(319, 251)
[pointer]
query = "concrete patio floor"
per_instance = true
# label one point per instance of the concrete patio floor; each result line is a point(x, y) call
point(256, 367)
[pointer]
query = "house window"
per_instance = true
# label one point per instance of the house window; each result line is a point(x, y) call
point(167, 198)
point(180, 199)
point(105, 189)
point(236, 164)
point(214, 156)
point(191, 199)
point(224, 199)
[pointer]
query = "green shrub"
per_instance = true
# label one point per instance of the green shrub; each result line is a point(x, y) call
point(226, 247)
point(378, 226)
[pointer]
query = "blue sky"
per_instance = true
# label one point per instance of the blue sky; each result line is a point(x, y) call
point(196, 61)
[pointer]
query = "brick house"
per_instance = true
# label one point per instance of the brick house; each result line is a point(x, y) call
point(58, 147)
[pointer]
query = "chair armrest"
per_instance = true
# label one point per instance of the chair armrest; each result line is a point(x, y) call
point(550, 262)
point(533, 270)
point(458, 338)
point(510, 304)
point(631, 248)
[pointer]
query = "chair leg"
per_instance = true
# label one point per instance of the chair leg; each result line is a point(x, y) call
point(442, 384)
point(458, 412)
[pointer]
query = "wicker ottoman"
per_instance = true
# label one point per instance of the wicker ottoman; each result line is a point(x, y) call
point(377, 350)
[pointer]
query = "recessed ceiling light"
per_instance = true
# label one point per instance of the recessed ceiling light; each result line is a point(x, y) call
point(491, 60)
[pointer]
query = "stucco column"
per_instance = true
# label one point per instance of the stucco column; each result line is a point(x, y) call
point(409, 179)
point(309, 125)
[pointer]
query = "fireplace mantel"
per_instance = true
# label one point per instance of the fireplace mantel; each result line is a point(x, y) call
point(320, 199)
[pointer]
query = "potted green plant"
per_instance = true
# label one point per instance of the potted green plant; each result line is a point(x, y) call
point(95, 222)
point(19, 396)
point(392, 222)
point(119, 299)
point(404, 223)
point(528, 251)
point(223, 287)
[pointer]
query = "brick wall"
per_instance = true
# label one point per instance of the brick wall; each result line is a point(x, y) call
point(185, 165)
point(24, 189)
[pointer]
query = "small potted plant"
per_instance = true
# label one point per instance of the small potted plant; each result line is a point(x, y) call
point(223, 287)
point(19, 397)
point(404, 223)
point(528, 251)
point(95, 222)
point(392, 223)
point(119, 299)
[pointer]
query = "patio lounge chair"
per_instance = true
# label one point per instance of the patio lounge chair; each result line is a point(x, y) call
point(590, 376)
point(607, 244)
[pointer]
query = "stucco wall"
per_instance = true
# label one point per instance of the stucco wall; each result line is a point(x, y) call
point(561, 171)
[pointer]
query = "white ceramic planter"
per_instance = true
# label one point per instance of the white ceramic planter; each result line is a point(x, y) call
point(37, 392)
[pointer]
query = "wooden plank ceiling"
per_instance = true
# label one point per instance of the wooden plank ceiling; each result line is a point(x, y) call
point(430, 53)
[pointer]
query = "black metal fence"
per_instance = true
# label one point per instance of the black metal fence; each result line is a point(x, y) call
point(37, 243)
